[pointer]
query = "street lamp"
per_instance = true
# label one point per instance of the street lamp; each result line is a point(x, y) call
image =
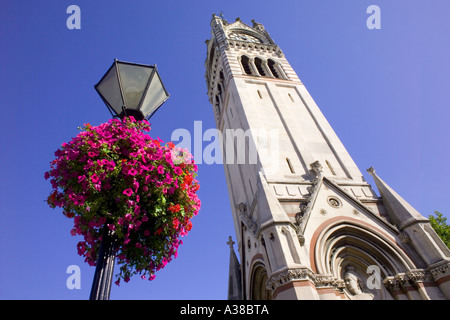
point(128, 89)
point(131, 89)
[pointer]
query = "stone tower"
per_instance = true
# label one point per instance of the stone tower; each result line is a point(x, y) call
point(308, 225)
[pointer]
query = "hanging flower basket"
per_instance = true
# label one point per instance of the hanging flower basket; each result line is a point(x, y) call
point(145, 192)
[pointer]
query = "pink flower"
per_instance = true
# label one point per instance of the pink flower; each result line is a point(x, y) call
point(128, 192)
point(178, 170)
point(95, 178)
point(136, 186)
point(160, 169)
point(132, 172)
point(81, 248)
point(110, 165)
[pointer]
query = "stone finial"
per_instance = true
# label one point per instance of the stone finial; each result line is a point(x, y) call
point(371, 171)
point(257, 25)
point(230, 242)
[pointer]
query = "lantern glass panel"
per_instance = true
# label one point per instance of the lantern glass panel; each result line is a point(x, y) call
point(155, 97)
point(134, 79)
point(109, 89)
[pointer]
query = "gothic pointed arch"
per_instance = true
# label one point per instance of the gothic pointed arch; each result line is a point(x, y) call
point(259, 63)
point(275, 69)
point(245, 62)
point(344, 247)
point(258, 281)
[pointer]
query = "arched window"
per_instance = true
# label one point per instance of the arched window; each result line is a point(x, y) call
point(245, 61)
point(260, 67)
point(273, 68)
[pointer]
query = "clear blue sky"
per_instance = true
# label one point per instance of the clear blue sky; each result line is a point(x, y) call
point(385, 92)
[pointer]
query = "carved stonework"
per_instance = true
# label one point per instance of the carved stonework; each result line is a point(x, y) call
point(243, 216)
point(409, 278)
point(319, 280)
point(404, 238)
point(255, 46)
point(301, 239)
point(391, 284)
point(286, 276)
point(354, 285)
point(317, 167)
point(334, 202)
point(329, 281)
point(441, 270)
point(415, 276)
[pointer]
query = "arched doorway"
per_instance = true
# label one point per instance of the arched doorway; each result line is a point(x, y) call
point(258, 290)
point(361, 256)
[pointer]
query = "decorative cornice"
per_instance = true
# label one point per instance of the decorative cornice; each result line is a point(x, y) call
point(441, 270)
point(415, 276)
point(238, 44)
point(329, 281)
point(409, 278)
point(283, 277)
point(303, 274)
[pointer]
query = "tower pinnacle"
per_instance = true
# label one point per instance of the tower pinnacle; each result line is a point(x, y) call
point(400, 212)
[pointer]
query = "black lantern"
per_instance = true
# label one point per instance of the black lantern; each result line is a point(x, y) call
point(131, 89)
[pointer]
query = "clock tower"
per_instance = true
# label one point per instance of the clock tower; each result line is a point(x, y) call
point(308, 225)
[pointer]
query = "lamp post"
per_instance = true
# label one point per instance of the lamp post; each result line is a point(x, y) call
point(128, 89)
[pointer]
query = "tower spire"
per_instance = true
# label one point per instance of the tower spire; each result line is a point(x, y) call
point(234, 278)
